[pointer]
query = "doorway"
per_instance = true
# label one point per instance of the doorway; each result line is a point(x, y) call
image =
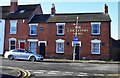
point(77, 52)
point(42, 49)
point(22, 45)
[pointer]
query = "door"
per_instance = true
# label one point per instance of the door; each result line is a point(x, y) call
point(42, 49)
point(24, 54)
point(77, 52)
point(22, 45)
point(33, 47)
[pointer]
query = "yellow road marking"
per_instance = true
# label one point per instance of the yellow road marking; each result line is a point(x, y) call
point(113, 74)
point(28, 73)
point(19, 69)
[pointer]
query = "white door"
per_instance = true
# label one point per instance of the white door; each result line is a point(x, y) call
point(2, 26)
point(33, 46)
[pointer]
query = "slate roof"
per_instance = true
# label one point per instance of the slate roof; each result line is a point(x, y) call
point(25, 15)
point(71, 17)
point(28, 10)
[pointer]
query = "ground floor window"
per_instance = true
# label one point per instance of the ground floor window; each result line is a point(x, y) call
point(59, 46)
point(33, 46)
point(12, 43)
point(95, 46)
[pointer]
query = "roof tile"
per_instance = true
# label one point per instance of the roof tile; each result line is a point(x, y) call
point(83, 17)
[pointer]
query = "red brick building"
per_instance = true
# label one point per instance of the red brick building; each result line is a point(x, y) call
point(16, 21)
point(52, 34)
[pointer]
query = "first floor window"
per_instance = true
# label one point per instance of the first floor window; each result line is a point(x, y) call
point(13, 26)
point(60, 28)
point(12, 43)
point(95, 28)
point(59, 46)
point(33, 46)
point(33, 29)
point(95, 47)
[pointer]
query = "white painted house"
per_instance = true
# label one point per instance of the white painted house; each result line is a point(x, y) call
point(2, 31)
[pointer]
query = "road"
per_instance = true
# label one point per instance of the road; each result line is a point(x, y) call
point(37, 69)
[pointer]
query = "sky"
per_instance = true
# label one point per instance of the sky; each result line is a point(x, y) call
point(77, 6)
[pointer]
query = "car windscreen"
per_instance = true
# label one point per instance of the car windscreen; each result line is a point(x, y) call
point(28, 51)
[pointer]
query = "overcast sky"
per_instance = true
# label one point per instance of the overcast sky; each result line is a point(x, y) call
point(77, 6)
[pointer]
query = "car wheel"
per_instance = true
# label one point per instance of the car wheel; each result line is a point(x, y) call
point(10, 57)
point(32, 59)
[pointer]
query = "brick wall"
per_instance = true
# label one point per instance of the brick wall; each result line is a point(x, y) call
point(49, 34)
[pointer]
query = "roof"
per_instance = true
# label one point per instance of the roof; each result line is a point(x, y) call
point(28, 10)
point(71, 17)
point(4, 11)
point(23, 12)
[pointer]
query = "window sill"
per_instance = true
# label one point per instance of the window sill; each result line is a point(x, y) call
point(12, 33)
point(32, 35)
point(95, 53)
point(95, 35)
point(60, 35)
point(59, 53)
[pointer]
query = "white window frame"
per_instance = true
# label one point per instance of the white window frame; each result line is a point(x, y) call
point(95, 41)
point(59, 24)
point(99, 23)
point(11, 22)
point(12, 39)
point(59, 41)
point(31, 27)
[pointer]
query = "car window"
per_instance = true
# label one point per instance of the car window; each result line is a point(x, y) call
point(28, 51)
point(22, 51)
point(18, 50)
point(15, 50)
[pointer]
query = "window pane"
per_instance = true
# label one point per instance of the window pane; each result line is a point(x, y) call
point(33, 29)
point(33, 32)
point(12, 47)
point(60, 30)
point(12, 42)
point(95, 29)
point(13, 27)
point(60, 47)
point(60, 27)
point(95, 47)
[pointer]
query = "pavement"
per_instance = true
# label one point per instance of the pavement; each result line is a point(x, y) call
point(80, 61)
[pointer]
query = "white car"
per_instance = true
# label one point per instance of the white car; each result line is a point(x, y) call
point(23, 55)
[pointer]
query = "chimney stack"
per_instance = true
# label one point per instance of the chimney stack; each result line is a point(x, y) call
point(13, 6)
point(106, 9)
point(53, 10)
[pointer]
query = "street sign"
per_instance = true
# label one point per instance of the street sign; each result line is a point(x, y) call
point(75, 39)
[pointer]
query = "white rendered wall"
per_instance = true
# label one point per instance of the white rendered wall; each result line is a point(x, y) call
point(2, 31)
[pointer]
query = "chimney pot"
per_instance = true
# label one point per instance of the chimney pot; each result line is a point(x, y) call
point(53, 10)
point(106, 9)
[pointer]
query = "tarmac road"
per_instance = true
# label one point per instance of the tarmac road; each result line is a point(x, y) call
point(71, 70)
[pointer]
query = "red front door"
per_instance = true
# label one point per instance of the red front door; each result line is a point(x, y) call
point(22, 45)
